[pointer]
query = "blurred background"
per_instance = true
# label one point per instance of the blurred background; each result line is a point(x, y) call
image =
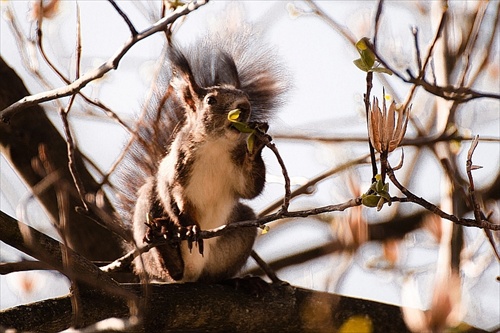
point(320, 133)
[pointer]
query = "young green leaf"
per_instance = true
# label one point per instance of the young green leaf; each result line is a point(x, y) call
point(367, 55)
point(367, 61)
point(234, 115)
point(370, 200)
point(265, 229)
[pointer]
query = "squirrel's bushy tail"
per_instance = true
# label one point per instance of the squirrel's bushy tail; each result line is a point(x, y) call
point(232, 50)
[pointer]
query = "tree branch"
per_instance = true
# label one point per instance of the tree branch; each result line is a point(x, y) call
point(410, 197)
point(99, 72)
point(41, 247)
point(131, 27)
point(216, 308)
point(22, 142)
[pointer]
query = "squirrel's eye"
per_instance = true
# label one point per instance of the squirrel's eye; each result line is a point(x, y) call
point(211, 100)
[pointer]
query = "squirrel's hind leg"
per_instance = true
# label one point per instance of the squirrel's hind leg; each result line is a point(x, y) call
point(163, 262)
point(232, 249)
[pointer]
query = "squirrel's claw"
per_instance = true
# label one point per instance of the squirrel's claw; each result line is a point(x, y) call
point(192, 236)
point(162, 228)
point(260, 136)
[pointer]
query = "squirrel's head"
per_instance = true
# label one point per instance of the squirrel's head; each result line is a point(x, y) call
point(209, 106)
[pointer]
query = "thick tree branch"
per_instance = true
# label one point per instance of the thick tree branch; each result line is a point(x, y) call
point(38, 245)
point(32, 140)
point(216, 308)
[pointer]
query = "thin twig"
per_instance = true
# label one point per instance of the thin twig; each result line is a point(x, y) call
point(22, 266)
point(461, 94)
point(205, 234)
point(410, 197)
point(414, 31)
point(369, 85)
point(66, 80)
point(78, 48)
point(307, 187)
point(71, 154)
point(417, 141)
point(439, 31)
point(110, 64)
point(487, 53)
point(131, 27)
point(25, 48)
point(39, 43)
point(491, 239)
point(64, 117)
point(378, 14)
point(288, 193)
point(280, 215)
point(343, 31)
point(471, 42)
point(126, 260)
point(271, 274)
point(469, 168)
point(478, 214)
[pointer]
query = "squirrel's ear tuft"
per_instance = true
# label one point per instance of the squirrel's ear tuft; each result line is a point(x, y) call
point(183, 80)
point(184, 91)
point(224, 70)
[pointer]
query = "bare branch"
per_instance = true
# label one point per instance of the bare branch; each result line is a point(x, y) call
point(21, 266)
point(410, 197)
point(306, 188)
point(288, 193)
point(78, 47)
point(99, 72)
point(418, 57)
point(343, 31)
point(126, 260)
point(38, 245)
point(214, 308)
point(265, 267)
point(478, 214)
point(66, 80)
point(366, 99)
point(133, 31)
point(418, 141)
point(280, 215)
point(378, 14)
point(487, 54)
point(71, 154)
point(39, 43)
point(470, 167)
point(461, 94)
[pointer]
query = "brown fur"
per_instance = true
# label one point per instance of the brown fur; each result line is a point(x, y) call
point(190, 167)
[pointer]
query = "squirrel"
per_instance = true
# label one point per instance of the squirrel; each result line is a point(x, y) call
point(191, 166)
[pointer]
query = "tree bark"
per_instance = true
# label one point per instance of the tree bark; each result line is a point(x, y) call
point(219, 308)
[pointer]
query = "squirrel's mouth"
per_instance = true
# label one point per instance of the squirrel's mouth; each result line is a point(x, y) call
point(232, 129)
point(237, 120)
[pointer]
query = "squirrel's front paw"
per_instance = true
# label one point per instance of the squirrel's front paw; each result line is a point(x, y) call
point(191, 233)
point(258, 138)
point(161, 228)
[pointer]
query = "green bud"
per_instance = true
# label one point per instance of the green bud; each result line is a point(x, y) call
point(370, 200)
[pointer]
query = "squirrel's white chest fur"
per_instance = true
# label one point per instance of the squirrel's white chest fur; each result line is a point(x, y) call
point(211, 190)
point(212, 183)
